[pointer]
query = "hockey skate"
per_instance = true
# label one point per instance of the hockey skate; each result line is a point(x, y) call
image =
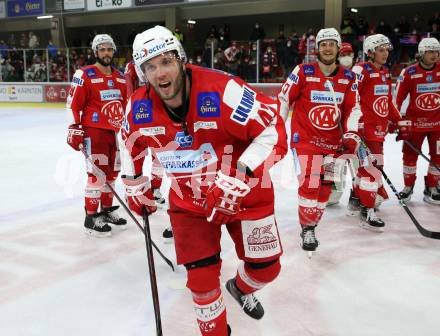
point(112, 217)
point(309, 241)
point(167, 235)
point(405, 194)
point(248, 302)
point(431, 195)
point(95, 225)
point(353, 207)
point(370, 221)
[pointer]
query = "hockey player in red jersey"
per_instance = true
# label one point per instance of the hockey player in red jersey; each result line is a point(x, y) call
point(422, 119)
point(322, 136)
point(216, 138)
point(96, 102)
point(378, 110)
point(135, 79)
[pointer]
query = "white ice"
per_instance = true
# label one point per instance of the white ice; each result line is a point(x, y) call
point(54, 280)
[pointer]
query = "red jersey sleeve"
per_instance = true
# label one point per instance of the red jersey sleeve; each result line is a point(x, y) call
point(290, 91)
point(130, 78)
point(253, 118)
point(78, 96)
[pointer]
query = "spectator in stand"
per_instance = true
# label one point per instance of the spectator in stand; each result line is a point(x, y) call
point(226, 30)
point(362, 27)
point(34, 43)
point(280, 43)
point(52, 50)
point(90, 58)
point(219, 62)
point(435, 30)
point(213, 31)
point(178, 34)
point(3, 49)
point(270, 63)
point(403, 26)
point(211, 43)
point(8, 71)
point(223, 43)
point(383, 28)
point(289, 59)
point(12, 41)
point(418, 25)
point(307, 47)
point(258, 33)
point(435, 19)
point(24, 41)
point(231, 58)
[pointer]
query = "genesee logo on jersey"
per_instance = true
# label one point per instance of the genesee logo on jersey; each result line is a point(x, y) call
point(245, 107)
point(184, 140)
point(208, 104)
point(325, 97)
point(142, 111)
point(114, 94)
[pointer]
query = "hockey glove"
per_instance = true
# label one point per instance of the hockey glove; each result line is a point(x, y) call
point(350, 143)
point(138, 194)
point(75, 136)
point(224, 197)
point(404, 129)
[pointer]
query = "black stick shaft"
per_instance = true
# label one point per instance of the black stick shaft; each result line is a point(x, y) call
point(415, 149)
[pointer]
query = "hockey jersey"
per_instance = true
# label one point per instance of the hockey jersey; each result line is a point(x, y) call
point(316, 125)
point(97, 100)
point(375, 91)
point(226, 121)
point(423, 88)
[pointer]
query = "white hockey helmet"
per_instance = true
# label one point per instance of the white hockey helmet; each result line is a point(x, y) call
point(328, 34)
point(153, 42)
point(428, 44)
point(376, 40)
point(101, 39)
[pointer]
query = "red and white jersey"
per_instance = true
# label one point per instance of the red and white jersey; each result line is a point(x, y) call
point(97, 100)
point(226, 121)
point(132, 78)
point(316, 125)
point(423, 88)
point(375, 91)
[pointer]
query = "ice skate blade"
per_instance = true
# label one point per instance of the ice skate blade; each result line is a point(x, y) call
point(96, 234)
point(168, 241)
point(371, 228)
point(430, 201)
point(310, 254)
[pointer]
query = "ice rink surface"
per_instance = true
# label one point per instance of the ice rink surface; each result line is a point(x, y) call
point(55, 280)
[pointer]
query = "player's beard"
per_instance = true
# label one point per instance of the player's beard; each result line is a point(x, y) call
point(103, 62)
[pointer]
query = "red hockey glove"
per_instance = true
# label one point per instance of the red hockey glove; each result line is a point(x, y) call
point(392, 127)
point(75, 136)
point(224, 197)
point(405, 127)
point(350, 143)
point(138, 194)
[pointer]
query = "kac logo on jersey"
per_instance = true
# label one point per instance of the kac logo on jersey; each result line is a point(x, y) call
point(91, 73)
point(208, 104)
point(429, 78)
point(381, 107)
point(184, 140)
point(110, 83)
point(309, 70)
point(428, 101)
point(142, 111)
point(324, 117)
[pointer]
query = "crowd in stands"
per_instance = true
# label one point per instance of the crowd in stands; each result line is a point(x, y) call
point(276, 56)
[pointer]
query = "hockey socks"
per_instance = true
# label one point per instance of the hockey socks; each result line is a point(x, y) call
point(211, 313)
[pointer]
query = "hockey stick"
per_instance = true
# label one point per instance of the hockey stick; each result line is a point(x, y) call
point(424, 232)
point(152, 272)
point(421, 154)
point(100, 172)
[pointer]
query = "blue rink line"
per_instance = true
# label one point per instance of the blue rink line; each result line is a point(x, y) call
point(38, 210)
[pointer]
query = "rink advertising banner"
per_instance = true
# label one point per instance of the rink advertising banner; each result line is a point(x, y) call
point(94, 5)
point(17, 8)
point(21, 93)
point(74, 4)
point(56, 93)
point(155, 2)
point(2, 9)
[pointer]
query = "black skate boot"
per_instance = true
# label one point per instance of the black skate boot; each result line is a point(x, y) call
point(354, 205)
point(405, 194)
point(370, 221)
point(431, 195)
point(112, 217)
point(95, 225)
point(250, 304)
point(309, 241)
point(229, 331)
point(167, 234)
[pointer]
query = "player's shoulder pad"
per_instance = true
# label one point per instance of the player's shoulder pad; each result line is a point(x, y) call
point(308, 69)
point(367, 66)
point(349, 74)
point(77, 79)
point(411, 70)
point(241, 99)
point(90, 71)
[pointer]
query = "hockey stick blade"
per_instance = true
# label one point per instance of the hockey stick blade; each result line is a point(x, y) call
point(424, 232)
